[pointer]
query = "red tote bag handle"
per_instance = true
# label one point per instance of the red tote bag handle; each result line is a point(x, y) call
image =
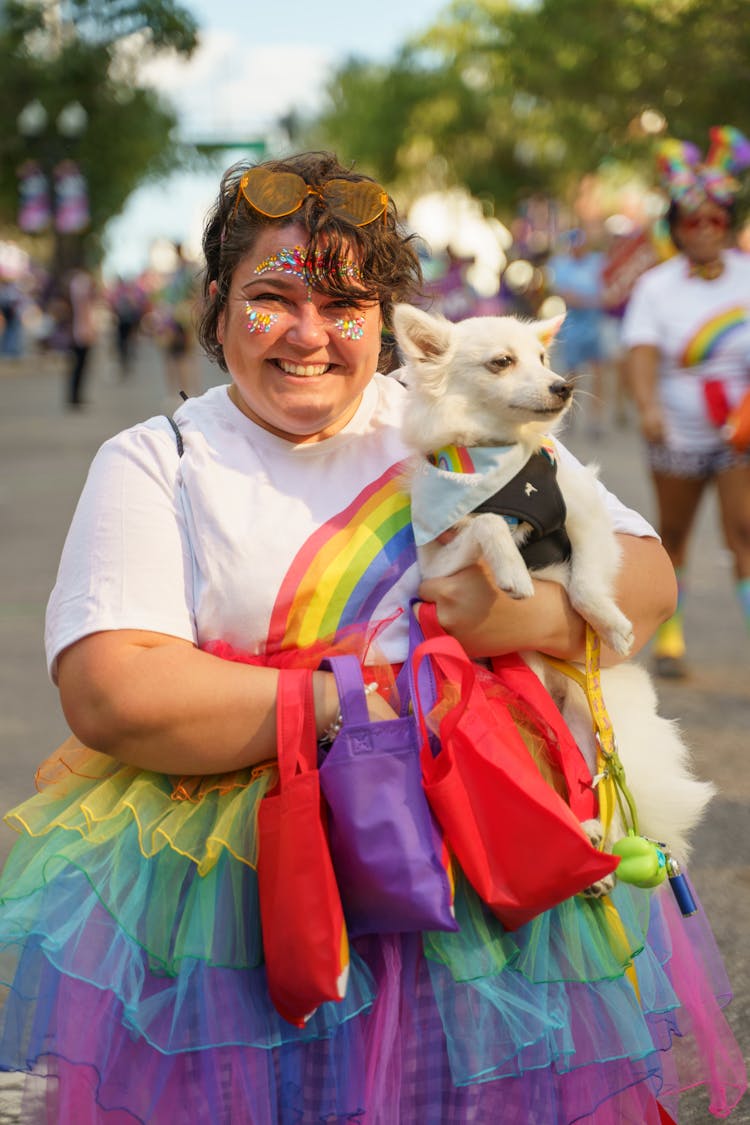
point(296, 735)
point(524, 683)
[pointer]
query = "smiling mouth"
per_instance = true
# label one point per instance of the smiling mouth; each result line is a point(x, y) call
point(302, 370)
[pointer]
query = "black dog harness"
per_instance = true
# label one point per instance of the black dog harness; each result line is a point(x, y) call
point(533, 496)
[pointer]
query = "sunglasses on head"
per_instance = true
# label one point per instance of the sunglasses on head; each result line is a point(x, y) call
point(695, 222)
point(278, 194)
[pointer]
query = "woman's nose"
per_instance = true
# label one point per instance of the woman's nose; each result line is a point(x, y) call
point(309, 328)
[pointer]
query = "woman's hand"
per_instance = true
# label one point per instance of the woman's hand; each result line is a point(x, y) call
point(642, 366)
point(379, 709)
point(652, 422)
point(488, 622)
point(328, 707)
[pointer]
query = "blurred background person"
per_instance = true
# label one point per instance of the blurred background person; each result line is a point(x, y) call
point(129, 303)
point(11, 322)
point(82, 293)
point(176, 319)
point(687, 329)
point(574, 273)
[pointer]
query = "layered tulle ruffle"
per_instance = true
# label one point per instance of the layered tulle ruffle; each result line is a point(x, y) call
point(131, 958)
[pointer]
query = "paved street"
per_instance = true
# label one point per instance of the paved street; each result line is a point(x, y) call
point(44, 455)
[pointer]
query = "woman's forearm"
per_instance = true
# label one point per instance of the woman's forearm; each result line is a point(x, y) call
point(489, 622)
point(159, 703)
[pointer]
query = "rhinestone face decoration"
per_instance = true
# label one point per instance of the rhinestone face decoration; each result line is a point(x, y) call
point(258, 321)
point(351, 327)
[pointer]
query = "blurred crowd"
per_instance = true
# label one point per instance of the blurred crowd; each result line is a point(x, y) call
point(42, 314)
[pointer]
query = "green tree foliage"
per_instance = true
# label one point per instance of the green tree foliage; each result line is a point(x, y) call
point(66, 51)
point(510, 97)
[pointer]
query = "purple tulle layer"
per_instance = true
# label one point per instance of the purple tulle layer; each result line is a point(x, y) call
point(390, 1064)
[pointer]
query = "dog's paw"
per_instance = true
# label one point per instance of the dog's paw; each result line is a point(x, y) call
point(619, 637)
point(614, 628)
point(514, 581)
point(594, 830)
point(600, 889)
point(604, 886)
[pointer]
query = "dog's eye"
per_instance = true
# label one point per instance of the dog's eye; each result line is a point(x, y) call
point(499, 363)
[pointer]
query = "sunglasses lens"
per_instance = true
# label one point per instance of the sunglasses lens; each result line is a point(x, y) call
point(695, 222)
point(357, 203)
point(274, 194)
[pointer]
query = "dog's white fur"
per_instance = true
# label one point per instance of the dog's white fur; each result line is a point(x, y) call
point(486, 381)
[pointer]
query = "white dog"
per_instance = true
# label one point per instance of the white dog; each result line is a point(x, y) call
point(483, 401)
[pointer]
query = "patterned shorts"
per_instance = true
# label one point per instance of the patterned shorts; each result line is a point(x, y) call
point(698, 464)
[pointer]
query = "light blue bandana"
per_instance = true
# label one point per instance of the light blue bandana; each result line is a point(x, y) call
point(455, 480)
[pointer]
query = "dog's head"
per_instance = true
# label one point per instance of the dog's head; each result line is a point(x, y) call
point(482, 381)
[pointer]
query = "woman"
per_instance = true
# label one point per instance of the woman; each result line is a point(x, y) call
point(281, 529)
point(687, 328)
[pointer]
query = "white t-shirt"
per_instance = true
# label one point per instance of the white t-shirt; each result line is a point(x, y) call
point(702, 330)
point(248, 538)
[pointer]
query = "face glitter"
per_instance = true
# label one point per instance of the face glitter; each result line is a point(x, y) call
point(258, 321)
point(292, 261)
point(351, 327)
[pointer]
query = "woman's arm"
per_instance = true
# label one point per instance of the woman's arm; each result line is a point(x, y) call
point(642, 368)
point(159, 703)
point(488, 622)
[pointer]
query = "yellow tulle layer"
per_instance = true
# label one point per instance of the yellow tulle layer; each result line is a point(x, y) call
point(90, 793)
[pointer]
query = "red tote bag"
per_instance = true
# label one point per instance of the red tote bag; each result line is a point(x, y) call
point(305, 942)
point(519, 844)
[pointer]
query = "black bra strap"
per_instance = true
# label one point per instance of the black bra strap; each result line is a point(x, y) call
point(177, 434)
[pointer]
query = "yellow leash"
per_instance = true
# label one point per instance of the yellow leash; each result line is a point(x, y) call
point(609, 780)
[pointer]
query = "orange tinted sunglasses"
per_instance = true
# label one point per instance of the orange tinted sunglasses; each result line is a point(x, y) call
point(697, 222)
point(277, 194)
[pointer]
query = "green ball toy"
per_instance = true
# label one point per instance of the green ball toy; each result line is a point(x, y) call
point(642, 863)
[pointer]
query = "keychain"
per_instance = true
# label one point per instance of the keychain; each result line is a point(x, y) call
point(643, 862)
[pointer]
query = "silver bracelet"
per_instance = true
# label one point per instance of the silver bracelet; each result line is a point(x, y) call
point(334, 728)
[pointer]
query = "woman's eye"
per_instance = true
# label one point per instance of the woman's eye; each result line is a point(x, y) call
point(258, 297)
point(344, 306)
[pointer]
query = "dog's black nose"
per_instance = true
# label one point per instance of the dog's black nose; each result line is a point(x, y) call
point(562, 390)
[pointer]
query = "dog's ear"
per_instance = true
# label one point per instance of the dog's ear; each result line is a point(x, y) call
point(546, 330)
point(420, 336)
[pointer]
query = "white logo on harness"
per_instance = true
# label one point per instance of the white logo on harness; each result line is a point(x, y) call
point(529, 488)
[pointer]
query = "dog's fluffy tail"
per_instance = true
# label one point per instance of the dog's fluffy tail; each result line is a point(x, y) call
point(669, 798)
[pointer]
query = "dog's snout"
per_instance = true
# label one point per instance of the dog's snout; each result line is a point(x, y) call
point(562, 389)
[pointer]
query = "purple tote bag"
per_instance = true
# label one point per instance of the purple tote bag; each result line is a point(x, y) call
point(391, 862)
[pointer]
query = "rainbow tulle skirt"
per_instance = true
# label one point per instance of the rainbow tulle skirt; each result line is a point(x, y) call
point(132, 980)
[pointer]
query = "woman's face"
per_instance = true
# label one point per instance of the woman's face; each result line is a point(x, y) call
point(702, 234)
point(299, 359)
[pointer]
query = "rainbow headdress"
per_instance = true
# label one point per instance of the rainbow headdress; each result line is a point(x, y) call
point(689, 180)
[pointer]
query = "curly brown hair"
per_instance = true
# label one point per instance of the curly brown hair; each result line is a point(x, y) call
point(388, 262)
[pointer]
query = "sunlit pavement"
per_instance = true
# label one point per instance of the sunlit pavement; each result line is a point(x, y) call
point(45, 451)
